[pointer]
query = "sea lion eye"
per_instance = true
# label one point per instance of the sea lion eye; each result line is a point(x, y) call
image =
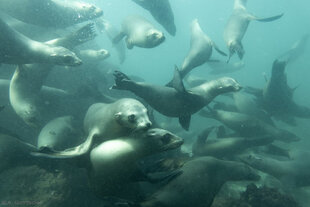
point(132, 118)
point(166, 138)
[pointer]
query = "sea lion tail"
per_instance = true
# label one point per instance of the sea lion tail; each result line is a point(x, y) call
point(268, 19)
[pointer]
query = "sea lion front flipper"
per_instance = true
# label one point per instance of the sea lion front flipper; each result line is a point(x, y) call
point(185, 121)
point(218, 50)
point(121, 80)
point(129, 43)
point(118, 37)
point(268, 19)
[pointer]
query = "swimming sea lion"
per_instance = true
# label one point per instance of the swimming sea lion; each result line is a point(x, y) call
point(293, 173)
point(247, 105)
point(237, 25)
point(200, 49)
point(200, 181)
point(277, 97)
point(249, 126)
point(161, 11)
point(176, 101)
point(139, 32)
point(105, 26)
point(60, 133)
point(50, 13)
point(28, 79)
point(114, 162)
point(93, 55)
point(16, 48)
point(107, 121)
point(226, 147)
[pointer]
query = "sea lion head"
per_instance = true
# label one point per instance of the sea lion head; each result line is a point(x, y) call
point(233, 47)
point(133, 116)
point(162, 140)
point(227, 84)
point(154, 38)
point(62, 56)
point(102, 54)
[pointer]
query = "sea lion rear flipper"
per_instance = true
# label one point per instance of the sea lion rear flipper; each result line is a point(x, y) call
point(218, 50)
point(177, 82)
point(268, 19)
point(185, 121)
point(77, 151)
point(118, 37)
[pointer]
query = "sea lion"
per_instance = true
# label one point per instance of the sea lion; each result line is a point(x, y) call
point(16, 48)
point(93, 55)
point(277, 97)
point(226, 147)
point(14, 152)
point(247, 105)
point(107, 121)
point(161, 11)
point(60, 133)
point(237, 25)
point(105, 26)
point(293, 173)
point(249, 126)
point(50, 13)
point(108, 175)
point(176, 101)
point(28, 79)
point(200, 49)
point(139, 32)
point(200, 181)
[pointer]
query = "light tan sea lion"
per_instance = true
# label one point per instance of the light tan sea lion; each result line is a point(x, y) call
point(237, 25)
point(139, 32)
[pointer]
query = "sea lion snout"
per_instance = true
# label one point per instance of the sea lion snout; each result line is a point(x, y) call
point(144, 126)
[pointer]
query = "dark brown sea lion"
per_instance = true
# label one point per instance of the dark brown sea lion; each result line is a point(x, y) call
point(176, 101)
point(16, 48)
point(277, 97)
point(161, 11)
point(201, 180)
point(249, 126)
point(227, 147)
point(50, 13)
